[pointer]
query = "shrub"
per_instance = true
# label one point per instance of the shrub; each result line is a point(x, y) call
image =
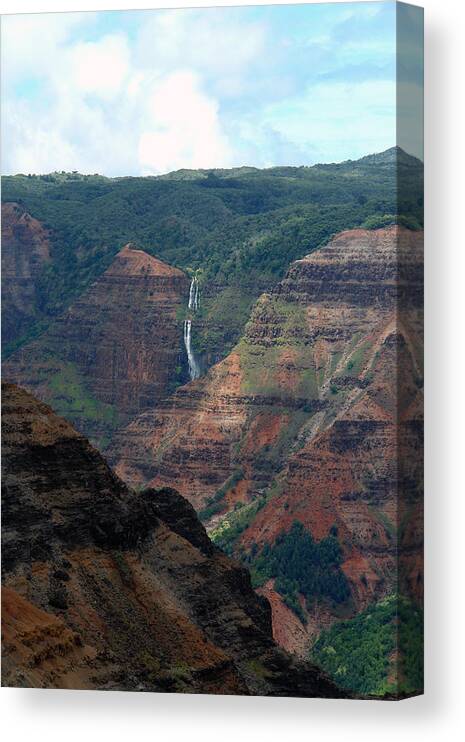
point(361, 653)
point(300, 565)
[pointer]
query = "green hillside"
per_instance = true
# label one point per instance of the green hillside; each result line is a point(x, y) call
point(241, 227)
point(360, 654)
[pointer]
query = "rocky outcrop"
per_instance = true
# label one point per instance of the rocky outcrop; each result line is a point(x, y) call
point(315, 416)
point(105, 588)
point(115, 352)
point(191, 433)
point(25, 251)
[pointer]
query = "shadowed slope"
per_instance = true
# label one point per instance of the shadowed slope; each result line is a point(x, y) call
point(104, 588)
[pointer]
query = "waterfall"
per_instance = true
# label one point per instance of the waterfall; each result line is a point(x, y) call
point(194, 295)
point(193, 305)
point(194, 370)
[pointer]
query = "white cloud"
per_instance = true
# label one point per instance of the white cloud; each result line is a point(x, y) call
point(32, 44)
point(71, 135)
point(214, 43)
point(100, 68)
point(101, 111)
point(184, 130)
point(190, 88)
point(110, 117)
point(29, 147)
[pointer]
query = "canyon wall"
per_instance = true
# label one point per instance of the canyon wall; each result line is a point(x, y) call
point(116, 351)
point(25, 251)
point(108, 589)
point(316, 417)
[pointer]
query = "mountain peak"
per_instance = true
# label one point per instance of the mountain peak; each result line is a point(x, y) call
point(390, 156)
point(131, 260)
point(117, 345)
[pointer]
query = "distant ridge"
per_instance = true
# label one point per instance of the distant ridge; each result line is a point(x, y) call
point(239, 228)
point(387, 157)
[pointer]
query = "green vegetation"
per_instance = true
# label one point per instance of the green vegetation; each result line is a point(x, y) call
point(259, 363)
point(388, 525)
point(255, 667)
point(214, 504)
point(218, 318)
point(123, 568)
point(361, 653)
point(357, 358)
point(71, 399)
point(31, 334)
point(242, 227)
point(228, 531)
point(376, 222)
point(302, 566)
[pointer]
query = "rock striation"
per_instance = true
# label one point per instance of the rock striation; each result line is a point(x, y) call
point(108, 589)
point(25, 251)
point(315, 416)
point(115, 351)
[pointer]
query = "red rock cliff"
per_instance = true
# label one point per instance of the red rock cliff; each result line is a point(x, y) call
point(115, 351)
point(315, 415)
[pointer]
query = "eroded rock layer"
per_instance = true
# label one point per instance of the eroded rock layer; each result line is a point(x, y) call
point(316, 417)
point(25, 251)
point(115, 351)
point(105, 588)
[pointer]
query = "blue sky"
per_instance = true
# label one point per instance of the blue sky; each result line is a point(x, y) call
point(146, 92)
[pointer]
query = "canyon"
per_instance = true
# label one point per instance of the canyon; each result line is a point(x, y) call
point(208, 335)
point(107, 588)
point(315, 416)
point(237, 230)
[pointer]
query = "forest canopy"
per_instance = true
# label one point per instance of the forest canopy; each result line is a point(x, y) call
point(241, 227)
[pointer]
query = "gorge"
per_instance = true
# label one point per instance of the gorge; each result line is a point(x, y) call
point(306, 422)
point(251, 340)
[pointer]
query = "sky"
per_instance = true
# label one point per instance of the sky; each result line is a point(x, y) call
point(148, 92)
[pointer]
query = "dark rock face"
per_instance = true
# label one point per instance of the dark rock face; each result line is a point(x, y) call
point(106, 588)
point(115, 351)
point(180, 516)
point(25, 250)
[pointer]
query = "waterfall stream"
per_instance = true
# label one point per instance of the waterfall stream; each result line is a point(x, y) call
point(194, 370)
point(194, 295)
point(193, 305)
